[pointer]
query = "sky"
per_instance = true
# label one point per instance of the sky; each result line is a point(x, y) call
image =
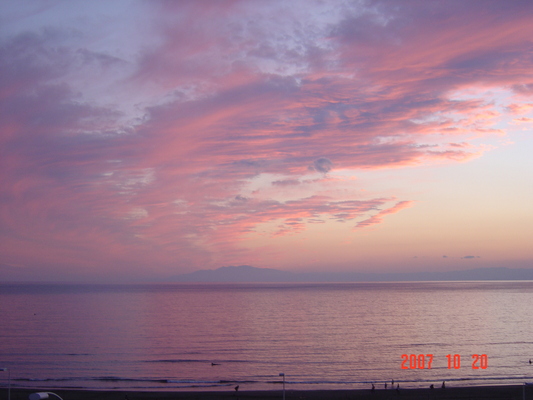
point(145, 139)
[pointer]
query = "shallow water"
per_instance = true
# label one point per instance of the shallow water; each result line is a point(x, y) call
point(320, 335)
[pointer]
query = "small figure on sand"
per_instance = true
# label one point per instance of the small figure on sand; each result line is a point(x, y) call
point(432, 386)
point(385, 385)
point(373, 388)
point(443, 385)
point(237, 388)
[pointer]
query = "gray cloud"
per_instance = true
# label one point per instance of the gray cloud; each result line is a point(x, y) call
point(323, 165)
point(286, 182)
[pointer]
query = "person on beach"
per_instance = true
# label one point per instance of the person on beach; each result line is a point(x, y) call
point(443, 385)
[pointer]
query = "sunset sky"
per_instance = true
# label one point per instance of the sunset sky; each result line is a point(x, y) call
point(144, 139)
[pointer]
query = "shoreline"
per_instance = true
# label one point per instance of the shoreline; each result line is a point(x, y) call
point(510, 392)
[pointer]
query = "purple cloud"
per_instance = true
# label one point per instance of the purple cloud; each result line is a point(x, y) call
point(221, 119)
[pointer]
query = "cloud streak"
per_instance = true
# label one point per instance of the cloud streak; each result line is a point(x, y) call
point(378, 218)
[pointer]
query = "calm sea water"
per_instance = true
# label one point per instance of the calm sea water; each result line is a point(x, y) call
point(321, 336)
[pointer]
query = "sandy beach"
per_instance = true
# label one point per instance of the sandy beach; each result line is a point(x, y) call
point(482, 392)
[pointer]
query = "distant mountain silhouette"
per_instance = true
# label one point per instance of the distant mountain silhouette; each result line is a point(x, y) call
point(247, 273)
point(241, 273)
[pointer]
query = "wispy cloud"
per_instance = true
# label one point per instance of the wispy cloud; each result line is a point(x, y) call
point(378, 218)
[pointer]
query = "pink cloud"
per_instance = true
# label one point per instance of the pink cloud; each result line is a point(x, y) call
point(378, 218)
point(226, 93)
point(520, 108)
point(523, 120)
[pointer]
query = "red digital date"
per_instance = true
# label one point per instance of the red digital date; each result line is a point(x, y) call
point(423, 361)
point(480, 361)
point(414, 361)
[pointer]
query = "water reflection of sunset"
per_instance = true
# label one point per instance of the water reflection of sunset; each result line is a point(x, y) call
point(320, 335)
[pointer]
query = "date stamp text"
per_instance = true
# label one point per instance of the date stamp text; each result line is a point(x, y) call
point(425, 361)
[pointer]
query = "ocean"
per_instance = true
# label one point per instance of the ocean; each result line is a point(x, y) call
point(217, 336)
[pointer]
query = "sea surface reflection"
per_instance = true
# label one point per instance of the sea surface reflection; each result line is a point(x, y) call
point(218, 335)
